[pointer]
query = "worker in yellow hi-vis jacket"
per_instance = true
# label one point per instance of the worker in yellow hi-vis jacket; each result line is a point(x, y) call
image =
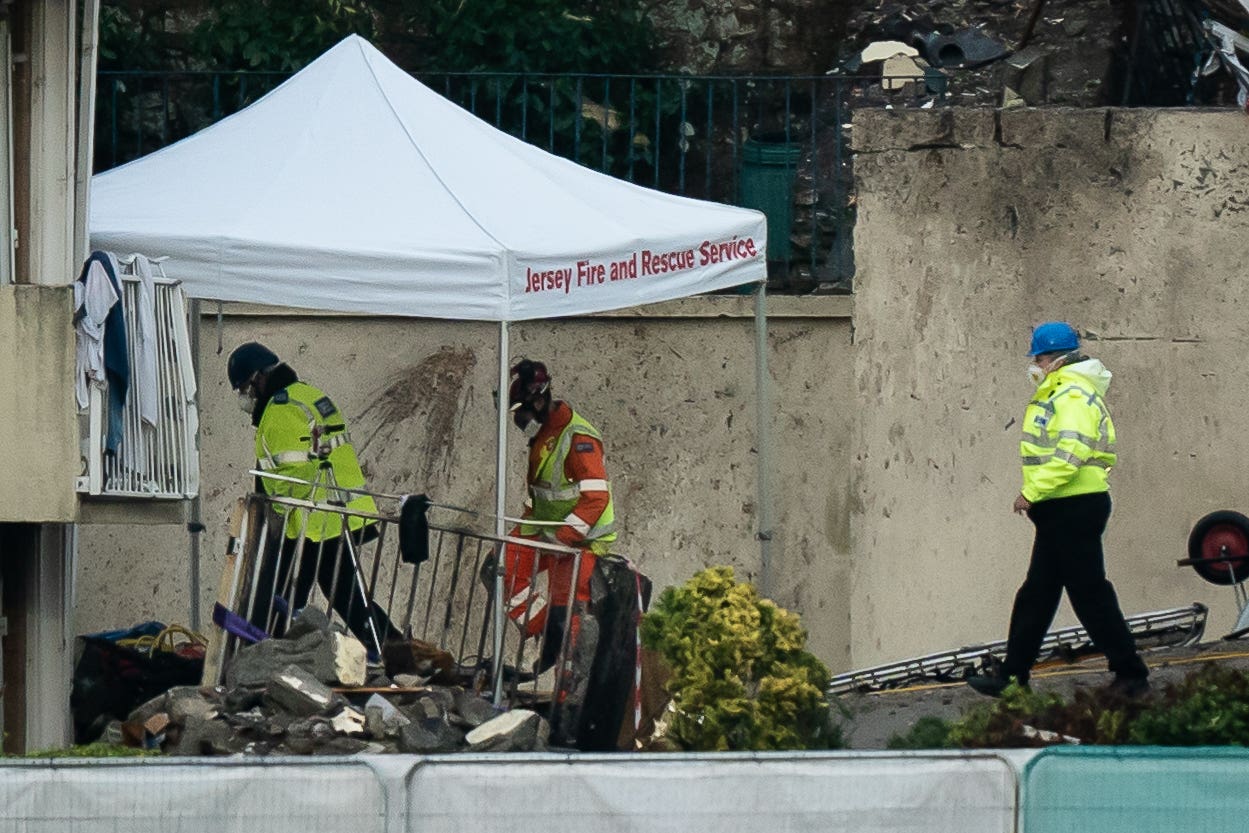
point(1067, 451)
point(301, 434)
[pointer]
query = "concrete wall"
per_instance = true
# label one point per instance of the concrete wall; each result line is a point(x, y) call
point(672, 387)
point(38, 431)
point(972, 227)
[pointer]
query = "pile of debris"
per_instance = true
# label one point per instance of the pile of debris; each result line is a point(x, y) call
point(987, 52)
point(312, 692)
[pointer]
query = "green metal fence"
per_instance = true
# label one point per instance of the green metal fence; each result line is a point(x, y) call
point(773, 143)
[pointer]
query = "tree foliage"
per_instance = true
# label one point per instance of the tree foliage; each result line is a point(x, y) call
point(540, 36)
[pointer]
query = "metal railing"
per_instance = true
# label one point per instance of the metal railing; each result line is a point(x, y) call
point(435, 585)
point(1158, 629)
point(160, 458)
point(680, 134)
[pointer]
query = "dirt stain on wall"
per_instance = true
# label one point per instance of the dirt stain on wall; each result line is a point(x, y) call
point(418, 415)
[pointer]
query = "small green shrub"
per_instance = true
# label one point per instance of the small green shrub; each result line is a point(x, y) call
point(1207, 708)
point(741, 675)
point(927, 733)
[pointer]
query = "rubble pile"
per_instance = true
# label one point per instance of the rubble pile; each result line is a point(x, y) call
point(312, 693)
point(988, 52)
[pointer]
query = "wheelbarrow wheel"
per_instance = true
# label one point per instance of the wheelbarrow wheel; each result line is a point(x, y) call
point(1219, 534)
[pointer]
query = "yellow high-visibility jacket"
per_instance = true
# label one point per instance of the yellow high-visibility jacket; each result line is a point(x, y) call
point(1068, 444)
point(284, 445)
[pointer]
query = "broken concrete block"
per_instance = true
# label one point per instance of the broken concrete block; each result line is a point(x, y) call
point(349, 659)
point(519, 730)
point(884, 50)
point(183, 701)
point(383, 718)
point(410, 680)
point(899, 71)
point(255, 665)
point(299, 692)
point(472, 709)
point(348, 722)
point(152, 707)
point(242, 698)
point(1028, 72)
point(205, 736)
point(1010, 99)
point(308, 620)
point(429, 737)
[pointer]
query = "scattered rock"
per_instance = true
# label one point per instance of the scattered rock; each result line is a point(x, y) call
point(519, 730)
point(429, 737)
point(348, 722)
point(349, 659)
point(301, 693)
point(309, 620)
point(256, 664)
point(472, 709)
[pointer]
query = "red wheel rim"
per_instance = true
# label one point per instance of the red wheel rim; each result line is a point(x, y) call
point(1233, 539)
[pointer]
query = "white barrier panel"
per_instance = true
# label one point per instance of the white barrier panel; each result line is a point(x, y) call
point(727, 793)
point(190, 796)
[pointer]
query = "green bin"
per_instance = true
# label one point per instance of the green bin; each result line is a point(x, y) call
point(767, 183)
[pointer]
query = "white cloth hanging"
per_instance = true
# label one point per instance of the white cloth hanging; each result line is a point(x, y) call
point(93, 298)
point(143, 378)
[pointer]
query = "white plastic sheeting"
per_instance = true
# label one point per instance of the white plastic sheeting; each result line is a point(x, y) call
point(677, 793)
point(191, 796)
point(717, 793)
point(353, 187)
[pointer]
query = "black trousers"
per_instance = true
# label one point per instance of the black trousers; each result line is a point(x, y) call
point(328, 564)
point(1067, 554)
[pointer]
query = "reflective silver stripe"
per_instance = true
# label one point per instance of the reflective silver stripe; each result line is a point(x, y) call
point(576, 523)
point(1036, 461)
point(1068, 457)
point(593, 485)
point(1091, 442)
point(283, 458)
point(1038, 441)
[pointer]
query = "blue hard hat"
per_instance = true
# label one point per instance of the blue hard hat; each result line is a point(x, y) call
point(247, 360)
point(1054, 337)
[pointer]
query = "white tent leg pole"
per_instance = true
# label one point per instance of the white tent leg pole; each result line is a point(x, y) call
point(764, 440)
point(500, 495)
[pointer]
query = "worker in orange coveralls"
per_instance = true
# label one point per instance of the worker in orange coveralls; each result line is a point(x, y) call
point(568, 489)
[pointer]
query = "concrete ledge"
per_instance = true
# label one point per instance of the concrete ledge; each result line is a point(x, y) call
point(139, 511)
point(702, 306)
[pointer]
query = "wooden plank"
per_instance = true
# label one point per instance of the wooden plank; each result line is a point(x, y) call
point(228, 591)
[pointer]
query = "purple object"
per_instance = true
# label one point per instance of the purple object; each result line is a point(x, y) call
point(236, 625)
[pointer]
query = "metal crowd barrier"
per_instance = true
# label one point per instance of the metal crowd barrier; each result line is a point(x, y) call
point(440, 589)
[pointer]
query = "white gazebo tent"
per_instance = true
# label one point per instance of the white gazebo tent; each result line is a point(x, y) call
point(353, 187)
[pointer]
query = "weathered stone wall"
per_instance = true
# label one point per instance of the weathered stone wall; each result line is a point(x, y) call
point(672, 389)
point(972, 227)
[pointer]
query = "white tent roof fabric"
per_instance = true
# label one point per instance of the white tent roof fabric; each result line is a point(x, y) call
point(354, 187)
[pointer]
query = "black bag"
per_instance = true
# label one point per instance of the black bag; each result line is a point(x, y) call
point(111, 681)
point(609, 695)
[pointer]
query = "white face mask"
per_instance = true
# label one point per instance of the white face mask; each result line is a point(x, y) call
point(531, 429)
point(1036, 374)
point(247, 401)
